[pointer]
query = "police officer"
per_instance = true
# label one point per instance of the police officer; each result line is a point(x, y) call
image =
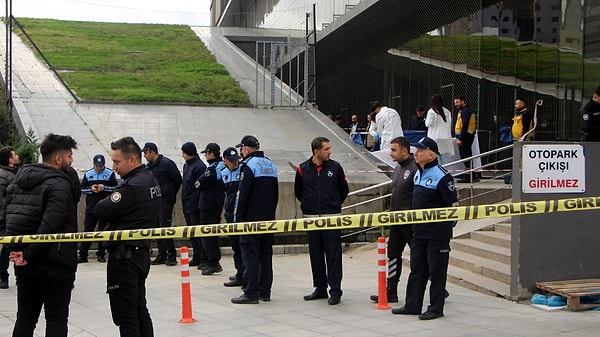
point(97, 183)
point(230, 173)
point(210, 204)
point(402, 197)
point(167, 174)
point(192, 169)
point(258, 194)
point(590, 118)
point(135, 204)
point(320, 186)
point(430, 247)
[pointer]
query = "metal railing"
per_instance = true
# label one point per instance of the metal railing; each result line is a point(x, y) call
point(492, 173)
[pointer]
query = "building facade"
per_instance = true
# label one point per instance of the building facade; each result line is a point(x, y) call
point(402, 52)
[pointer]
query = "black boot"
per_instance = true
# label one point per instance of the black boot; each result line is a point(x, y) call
point(171, 259)
point(392, 292)
point(4, 282)
point(161, 258)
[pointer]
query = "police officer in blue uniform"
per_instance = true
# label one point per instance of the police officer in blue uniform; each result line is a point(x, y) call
point(210, 204)
point(430, 247)
point(258, 194)
point(230, 173)
point(321, 187)
point(135, 204)
point(97, 183)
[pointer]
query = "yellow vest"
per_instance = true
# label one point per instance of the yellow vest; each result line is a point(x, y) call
point(472, 124)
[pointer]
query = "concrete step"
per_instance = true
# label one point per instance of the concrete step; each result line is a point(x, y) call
point(503, 228)
point(481, 249)
point(477, 282)
point(492, 238)
point(489, 268)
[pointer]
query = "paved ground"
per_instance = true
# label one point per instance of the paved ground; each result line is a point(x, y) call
point(467, 313)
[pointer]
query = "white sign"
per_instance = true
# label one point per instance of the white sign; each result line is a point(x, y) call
point(556, 168)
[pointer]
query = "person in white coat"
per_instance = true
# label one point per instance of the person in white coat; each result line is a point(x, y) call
point(439, 127)
point(389, 124)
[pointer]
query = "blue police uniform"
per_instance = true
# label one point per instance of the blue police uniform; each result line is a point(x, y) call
point(231, 180)
point(430, 248)
point(258, 194)
point(92, 177)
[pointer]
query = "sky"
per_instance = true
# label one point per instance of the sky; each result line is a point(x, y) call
point(186, 12)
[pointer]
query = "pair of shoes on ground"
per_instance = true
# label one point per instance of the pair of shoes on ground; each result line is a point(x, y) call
point(243, 299)
point(427, 315)
point(322, 294)
point(390, 298)
point(166, 259)
point(394, 298)
point(233, 283)
point(212, 269)
point(100, 258)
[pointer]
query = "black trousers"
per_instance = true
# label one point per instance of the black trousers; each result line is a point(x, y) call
point(210, 244)
point(464, 149)
point(325, 250)
point(4, 262)
point(89, 225)
point(165, 219)
point(257, 256)
point(400, 236)
point(37, 288)
point(237, 256)
point(428, 260)
point(193, 219)
point(237, 251)
point(126, 273)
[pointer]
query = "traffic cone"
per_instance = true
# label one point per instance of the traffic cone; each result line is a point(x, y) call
point(186, 296)
point(382, 300)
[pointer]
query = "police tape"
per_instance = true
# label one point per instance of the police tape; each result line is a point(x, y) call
point(353, 221)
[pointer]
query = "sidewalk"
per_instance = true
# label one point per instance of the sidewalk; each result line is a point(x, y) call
point(467, 313)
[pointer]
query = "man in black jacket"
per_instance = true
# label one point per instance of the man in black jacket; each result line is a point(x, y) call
point(210, 204)
point(402, 196)
point(135, 204)
point(41, 201)
point(9, 162)
point(590, 118)
point(321, 188)
point(193, 169)
point(167, 174)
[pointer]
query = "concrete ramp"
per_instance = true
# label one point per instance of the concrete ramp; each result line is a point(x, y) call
point(44, 105)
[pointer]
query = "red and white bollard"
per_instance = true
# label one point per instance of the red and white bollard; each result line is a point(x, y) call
point(382, 300)
point(186, 295)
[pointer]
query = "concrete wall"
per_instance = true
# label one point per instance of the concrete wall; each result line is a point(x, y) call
point(555, 246)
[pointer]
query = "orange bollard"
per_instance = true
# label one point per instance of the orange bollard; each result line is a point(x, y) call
point(382, 300)
point(186, 295)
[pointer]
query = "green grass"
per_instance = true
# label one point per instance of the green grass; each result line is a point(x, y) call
point(530, 62)
point(134, 62)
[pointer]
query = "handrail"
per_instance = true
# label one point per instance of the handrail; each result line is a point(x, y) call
point(386, 183)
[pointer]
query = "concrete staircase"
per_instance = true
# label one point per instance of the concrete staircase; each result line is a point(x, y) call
point(480, 260)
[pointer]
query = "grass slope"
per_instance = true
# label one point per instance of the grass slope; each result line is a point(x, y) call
point(134, 62)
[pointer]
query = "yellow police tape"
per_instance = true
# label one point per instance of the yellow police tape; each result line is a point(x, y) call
point(333, 222)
